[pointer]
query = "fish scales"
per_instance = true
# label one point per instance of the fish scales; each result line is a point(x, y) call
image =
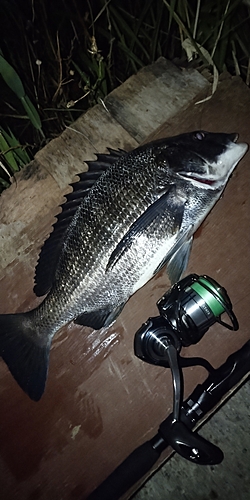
point(129, 215)
point(101, 221)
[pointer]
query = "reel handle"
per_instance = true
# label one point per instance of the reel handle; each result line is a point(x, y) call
point(191, 446)
point(156, 343)
point(203, 399)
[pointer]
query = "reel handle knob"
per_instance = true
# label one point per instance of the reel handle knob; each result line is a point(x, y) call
point(192, 446)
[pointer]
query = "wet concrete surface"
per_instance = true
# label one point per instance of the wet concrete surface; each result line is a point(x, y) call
point(229, 429)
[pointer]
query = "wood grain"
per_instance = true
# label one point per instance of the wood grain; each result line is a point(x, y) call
point(101, 401)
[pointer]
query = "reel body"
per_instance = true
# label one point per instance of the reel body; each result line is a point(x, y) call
point(187, 311)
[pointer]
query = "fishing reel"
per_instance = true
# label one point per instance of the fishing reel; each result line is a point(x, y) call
point(187, 311)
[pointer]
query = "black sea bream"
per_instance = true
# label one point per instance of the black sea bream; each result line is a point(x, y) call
point(127, 217)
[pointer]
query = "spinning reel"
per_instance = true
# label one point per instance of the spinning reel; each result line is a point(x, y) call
point(187, 311)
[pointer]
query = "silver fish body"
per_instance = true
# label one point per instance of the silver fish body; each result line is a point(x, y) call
point(131, 214)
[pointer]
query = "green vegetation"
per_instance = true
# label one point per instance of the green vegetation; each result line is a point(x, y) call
point(57, 62)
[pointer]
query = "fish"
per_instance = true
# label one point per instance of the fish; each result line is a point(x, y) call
point(128, 216)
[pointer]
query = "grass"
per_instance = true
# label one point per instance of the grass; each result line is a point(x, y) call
point(57, 62)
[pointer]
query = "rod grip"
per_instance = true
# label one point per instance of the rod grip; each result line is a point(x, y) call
point(127, 473)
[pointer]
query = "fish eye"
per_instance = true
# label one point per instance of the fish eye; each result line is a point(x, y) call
point(199, 136)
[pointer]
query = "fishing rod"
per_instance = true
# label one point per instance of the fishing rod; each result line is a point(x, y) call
point(187, 311)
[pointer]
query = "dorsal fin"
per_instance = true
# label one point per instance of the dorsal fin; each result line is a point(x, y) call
point(49, 255)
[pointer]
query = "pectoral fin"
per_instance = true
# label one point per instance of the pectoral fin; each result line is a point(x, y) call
point(168, 203)
point(179, 261)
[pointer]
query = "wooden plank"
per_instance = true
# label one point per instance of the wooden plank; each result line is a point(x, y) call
point(38, 189)
point(92, 133)
point(155, 94)
point(101, 401)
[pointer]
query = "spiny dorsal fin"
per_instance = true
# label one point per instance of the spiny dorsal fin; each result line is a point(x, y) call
point(49, 255)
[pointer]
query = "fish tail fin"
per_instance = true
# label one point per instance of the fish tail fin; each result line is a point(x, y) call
point(25, 354)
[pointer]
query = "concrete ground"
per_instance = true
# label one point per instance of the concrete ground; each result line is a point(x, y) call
point(229, 429)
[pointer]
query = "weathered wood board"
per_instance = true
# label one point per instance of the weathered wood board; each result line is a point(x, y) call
point(101, 401)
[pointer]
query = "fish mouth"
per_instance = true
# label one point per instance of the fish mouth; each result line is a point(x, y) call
point(205, 180)
point(234, 137)
point(200, 180)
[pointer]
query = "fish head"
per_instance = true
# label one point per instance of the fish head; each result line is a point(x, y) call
point(205, 159)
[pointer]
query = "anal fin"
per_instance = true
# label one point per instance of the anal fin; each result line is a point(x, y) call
point(99, 318)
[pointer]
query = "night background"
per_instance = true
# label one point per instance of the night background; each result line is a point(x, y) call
point(57, 59)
